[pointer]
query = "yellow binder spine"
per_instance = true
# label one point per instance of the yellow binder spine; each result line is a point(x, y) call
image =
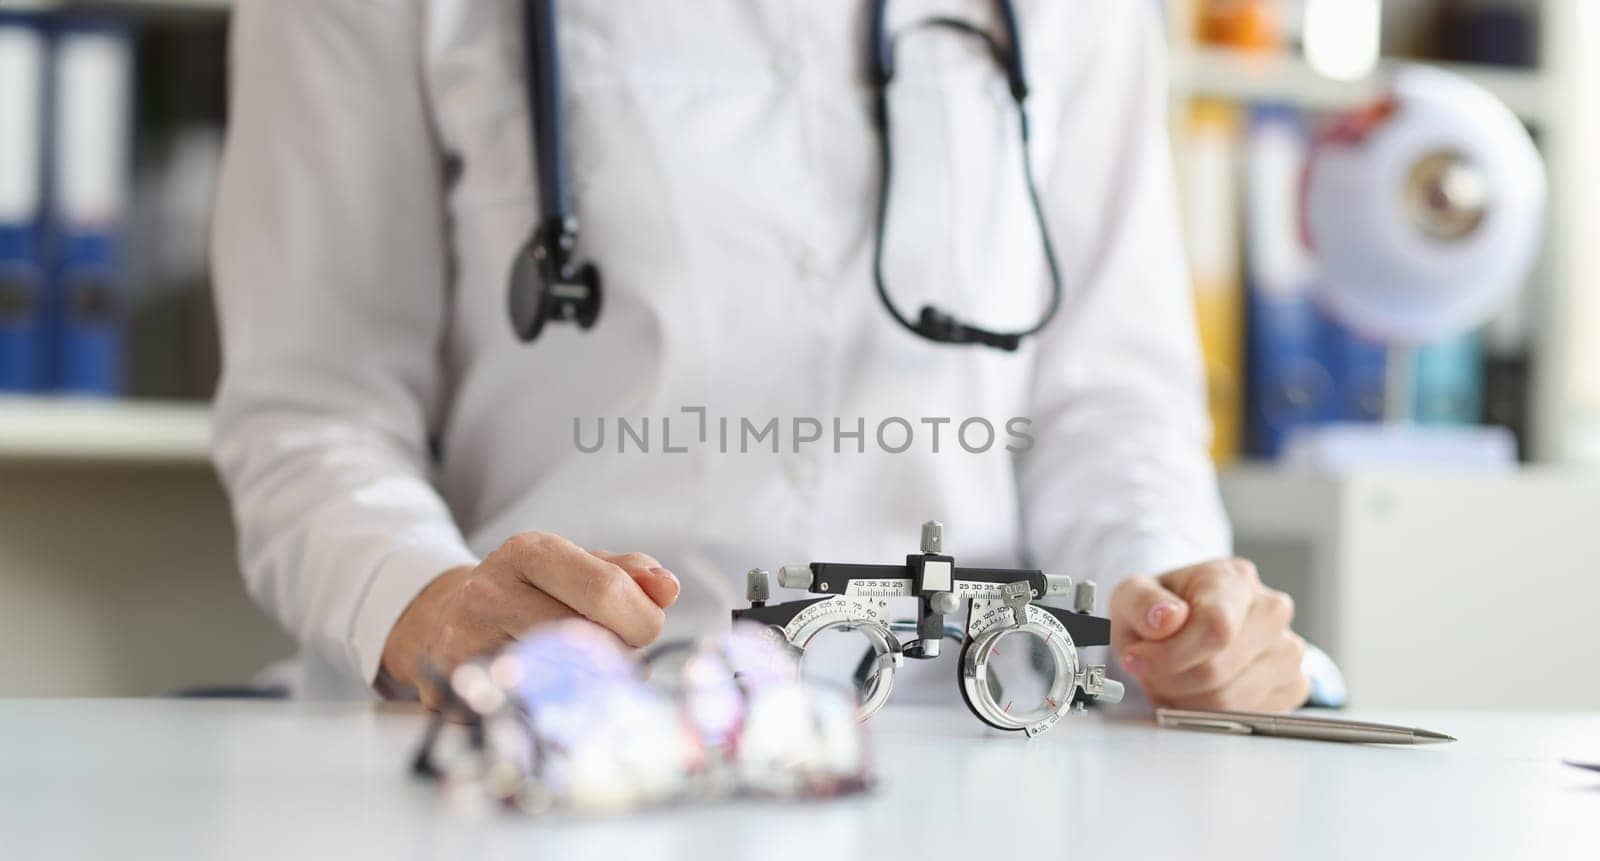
point(1211, 188)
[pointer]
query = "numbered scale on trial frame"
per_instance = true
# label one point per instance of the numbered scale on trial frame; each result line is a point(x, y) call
point(1019, 667)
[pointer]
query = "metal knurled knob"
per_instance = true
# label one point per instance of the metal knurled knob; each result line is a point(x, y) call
point(757, 586)
point(795, 576)
point(1083, 599)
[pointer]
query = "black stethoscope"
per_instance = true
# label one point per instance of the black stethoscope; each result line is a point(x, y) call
point(547, 283)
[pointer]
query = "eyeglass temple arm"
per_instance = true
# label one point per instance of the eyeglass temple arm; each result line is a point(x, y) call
point(422, 764)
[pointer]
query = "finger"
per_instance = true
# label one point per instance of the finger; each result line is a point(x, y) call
point(519, 610)
point(660, 584)
point(599, 590)
point(1147, 609)
point(1252, 691)
point(654, 578)
point(641, 561)
point(476, 622)
point(1290, 696)
point(1185, 580)
point(1219, 601)
point(485, 615)
point(1267, 622)
point(429, 695)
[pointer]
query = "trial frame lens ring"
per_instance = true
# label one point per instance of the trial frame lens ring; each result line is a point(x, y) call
point(978, 670)
point(885, 652)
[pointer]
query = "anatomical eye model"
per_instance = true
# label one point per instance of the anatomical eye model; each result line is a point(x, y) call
point(1019, 668)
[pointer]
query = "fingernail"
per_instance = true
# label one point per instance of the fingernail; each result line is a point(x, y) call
point(1160, 613)
point(662, 572)
point(1133, 664)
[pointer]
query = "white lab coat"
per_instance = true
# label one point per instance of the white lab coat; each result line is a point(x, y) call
point(378, 423)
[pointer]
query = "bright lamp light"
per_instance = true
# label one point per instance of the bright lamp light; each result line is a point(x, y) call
point(1341, 37)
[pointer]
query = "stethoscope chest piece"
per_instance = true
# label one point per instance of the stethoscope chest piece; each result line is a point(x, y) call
point(545, 286)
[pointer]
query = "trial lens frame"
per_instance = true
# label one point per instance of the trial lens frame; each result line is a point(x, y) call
point(1003, 603)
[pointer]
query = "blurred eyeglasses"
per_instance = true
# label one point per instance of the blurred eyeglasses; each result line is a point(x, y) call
point(567, 719)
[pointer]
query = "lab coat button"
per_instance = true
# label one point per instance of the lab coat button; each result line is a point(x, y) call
point(808, 263)
point(786, 65)
point(802, 473)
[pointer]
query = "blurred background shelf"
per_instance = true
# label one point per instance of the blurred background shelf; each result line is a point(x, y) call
point(1220, 73)
point(65, 430)
point(1246, 75)
point(135, 5)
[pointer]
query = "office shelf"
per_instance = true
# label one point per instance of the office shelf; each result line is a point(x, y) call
point(131, 5)
point(1287, 79)
point(104, 431)
point(1553, 323)
point(166, 4)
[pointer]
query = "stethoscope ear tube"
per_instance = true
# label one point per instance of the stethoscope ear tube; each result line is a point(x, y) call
point(932, 323)
point(545, 284)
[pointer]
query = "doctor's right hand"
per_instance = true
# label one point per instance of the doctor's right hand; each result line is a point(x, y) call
point(1210, 636)
point(533, 578)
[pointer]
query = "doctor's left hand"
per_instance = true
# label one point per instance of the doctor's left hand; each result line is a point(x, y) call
point(532, 579)
point(1210, 636)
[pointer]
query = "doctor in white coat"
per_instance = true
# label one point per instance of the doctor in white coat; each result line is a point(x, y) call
point(414, 485)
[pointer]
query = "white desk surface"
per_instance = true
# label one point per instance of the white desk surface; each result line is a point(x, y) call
point(185, 779)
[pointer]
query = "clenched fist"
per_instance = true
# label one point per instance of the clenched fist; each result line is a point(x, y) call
point(1210, 636)
point(531, 579)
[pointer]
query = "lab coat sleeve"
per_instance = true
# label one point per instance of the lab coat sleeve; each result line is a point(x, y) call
point(1119, 480)
point(331, 274)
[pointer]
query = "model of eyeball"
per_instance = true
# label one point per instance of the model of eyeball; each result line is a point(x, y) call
point(1424, 212)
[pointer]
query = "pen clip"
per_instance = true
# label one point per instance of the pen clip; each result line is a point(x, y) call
point(1180, 720)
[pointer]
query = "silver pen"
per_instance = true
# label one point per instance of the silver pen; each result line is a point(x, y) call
point(1296, 726)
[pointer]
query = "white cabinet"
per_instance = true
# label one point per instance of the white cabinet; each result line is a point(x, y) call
point(1437, 590)
point(117, 577)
